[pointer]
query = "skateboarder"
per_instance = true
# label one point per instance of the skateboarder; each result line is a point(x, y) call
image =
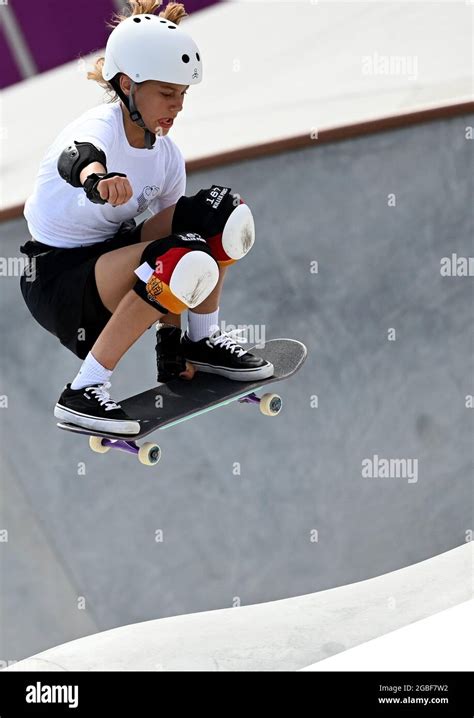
point(99, 280)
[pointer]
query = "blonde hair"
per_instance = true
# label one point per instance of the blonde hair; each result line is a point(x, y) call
point(174, 12)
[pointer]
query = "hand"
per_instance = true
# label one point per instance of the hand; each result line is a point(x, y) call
point(189, 372)
point(115, 190)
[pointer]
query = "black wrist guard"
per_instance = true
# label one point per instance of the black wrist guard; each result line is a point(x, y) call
point(91, 183)
point(170, 360)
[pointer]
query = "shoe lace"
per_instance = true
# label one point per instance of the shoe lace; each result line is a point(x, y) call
point(103, 396)
point(227, 340)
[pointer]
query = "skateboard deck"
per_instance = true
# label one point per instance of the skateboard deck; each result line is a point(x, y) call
point(179, 400)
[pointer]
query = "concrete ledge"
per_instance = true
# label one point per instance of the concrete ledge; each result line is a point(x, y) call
point(281, 635)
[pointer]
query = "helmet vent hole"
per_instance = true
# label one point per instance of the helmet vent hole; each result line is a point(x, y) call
point(148, 17)
point(185, 58)
point(197, 57)
point(137, 19)
point(171, 27)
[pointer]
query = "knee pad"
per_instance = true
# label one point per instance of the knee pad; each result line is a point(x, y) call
point(222, 218)
point(237, 238)
point(176, 273)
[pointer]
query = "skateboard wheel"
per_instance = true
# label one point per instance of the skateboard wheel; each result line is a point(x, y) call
point(270, 404)
point(149, 454)
point(95, 443)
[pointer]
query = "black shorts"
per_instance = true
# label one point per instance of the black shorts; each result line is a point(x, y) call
point(60, 291)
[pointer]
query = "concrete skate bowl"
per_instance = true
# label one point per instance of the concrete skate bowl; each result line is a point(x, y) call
point(290, 634)
point(244, 509)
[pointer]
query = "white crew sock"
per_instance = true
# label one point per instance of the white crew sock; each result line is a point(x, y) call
point(202, 325)
point(91, 372)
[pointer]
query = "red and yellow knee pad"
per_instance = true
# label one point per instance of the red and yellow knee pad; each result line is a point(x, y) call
point(176, 273)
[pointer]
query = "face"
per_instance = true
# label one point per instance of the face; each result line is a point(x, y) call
point(157, 102)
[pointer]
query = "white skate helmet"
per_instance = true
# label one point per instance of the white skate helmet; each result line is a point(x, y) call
point(149, 47)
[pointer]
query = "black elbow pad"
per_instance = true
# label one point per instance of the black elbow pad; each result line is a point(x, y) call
point(75, 157)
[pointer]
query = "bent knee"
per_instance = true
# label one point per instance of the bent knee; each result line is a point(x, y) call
point(176, 273)
point(237, 238)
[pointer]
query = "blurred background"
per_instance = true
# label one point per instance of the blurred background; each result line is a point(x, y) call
point(347, 127)
point(35, 37)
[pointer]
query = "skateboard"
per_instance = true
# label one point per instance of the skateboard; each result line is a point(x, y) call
point(179, 400)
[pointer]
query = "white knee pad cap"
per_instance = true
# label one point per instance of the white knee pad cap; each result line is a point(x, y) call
point(239, 232)
point(194, 277)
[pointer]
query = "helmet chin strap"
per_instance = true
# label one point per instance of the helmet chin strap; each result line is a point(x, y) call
point(135, 116)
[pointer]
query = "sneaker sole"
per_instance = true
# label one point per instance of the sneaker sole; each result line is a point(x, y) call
point(114, 426)
point(255, 374)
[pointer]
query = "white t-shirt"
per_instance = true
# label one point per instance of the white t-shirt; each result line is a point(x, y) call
point(61, 215)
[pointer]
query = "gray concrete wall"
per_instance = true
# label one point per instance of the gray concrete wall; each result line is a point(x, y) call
point(92, 535)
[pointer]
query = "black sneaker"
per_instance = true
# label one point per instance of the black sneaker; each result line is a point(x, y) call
point(92, 408)
point(221, 354)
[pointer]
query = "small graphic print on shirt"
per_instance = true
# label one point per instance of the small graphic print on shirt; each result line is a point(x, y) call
point(146, 195)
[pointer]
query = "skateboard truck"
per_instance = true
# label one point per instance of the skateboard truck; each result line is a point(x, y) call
point(270, 404)
point(148, 453)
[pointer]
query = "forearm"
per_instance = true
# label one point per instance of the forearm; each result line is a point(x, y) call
point(96, 167)
point(158, 226)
